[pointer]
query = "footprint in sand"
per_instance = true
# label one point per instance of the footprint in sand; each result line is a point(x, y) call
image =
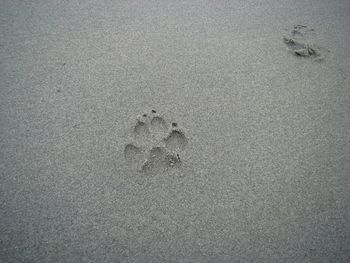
point(299, 43)
point(155, 145)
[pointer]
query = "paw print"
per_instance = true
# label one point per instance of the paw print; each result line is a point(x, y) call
point(155, 145)
point(300, 44)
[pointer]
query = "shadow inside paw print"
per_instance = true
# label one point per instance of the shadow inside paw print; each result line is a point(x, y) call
point(155, 145)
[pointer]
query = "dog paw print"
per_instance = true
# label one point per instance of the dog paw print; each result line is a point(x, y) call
point(300, 44)
point(155, 144)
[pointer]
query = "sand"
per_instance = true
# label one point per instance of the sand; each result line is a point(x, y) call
point(259, 172)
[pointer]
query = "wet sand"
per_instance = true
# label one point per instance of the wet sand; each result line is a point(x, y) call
point(259, 171)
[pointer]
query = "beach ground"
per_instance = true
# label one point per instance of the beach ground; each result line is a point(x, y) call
point(256, 171)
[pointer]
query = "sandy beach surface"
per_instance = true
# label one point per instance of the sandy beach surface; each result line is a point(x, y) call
point(243, 152)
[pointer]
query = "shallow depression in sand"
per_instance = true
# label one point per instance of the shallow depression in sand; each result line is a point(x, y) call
point(176, 140)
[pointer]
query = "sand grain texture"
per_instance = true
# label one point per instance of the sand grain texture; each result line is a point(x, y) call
point(263, 173)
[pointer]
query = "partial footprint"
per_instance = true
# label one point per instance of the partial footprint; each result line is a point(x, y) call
point(301, 30)
point(160, 160)
point(156, 161)
point(293, 44)
point(133, 154)
point(301, 49)
point(176, 141)
point(157, 153)
point(159, 127)
point(141, 132)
